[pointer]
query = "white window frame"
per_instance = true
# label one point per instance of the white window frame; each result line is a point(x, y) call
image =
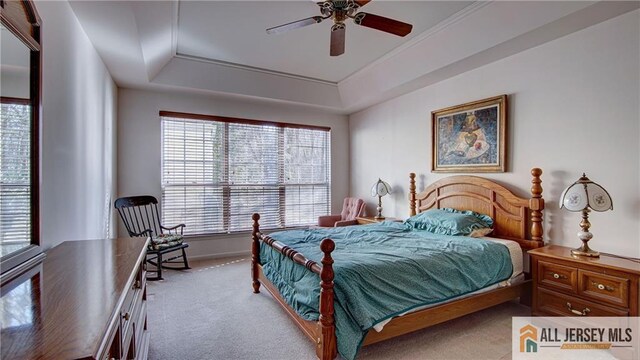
point(283, 186)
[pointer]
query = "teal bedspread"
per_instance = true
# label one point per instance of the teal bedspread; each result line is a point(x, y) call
point(382, 270)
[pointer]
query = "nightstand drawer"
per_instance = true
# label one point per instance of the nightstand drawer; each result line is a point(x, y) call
point(558, 276)
point(554, 303)
point(605, 288)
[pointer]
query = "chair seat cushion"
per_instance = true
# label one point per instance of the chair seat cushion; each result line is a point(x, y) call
point(164, 241)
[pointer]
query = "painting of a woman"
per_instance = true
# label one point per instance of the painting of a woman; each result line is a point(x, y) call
point(469, 138)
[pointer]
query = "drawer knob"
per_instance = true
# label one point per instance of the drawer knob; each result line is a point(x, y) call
point(126, 316)
point(584, 311)
point(602, 286)
point(559, 276)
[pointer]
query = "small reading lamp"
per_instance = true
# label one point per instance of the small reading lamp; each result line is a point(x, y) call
point(380, 189)
point(585, 195)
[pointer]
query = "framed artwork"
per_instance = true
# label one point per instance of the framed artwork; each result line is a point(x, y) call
point(470, 137)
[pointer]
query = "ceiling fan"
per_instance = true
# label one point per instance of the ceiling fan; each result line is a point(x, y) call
point(341, 10)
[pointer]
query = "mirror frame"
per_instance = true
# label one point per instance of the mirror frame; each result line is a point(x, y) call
point(22, 20)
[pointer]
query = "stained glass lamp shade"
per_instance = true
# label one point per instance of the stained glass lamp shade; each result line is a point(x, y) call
point(380, 189)
point(585, 195)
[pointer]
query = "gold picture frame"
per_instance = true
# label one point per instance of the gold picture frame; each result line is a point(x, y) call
point(470, 137)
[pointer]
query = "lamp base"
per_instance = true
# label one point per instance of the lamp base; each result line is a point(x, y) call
point(584, 250)
point(379, 209)
point(585, 235)
point(588, 253)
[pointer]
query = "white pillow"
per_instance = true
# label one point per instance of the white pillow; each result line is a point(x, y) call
point(480, 232)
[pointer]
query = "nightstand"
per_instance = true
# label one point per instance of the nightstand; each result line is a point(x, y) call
point(362, 220)
point(568, 285)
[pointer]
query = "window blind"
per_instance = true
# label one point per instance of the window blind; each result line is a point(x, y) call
point(217, 173)
point(15, 174)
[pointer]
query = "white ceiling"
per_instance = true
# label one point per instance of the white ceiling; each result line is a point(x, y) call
point(221, 47)
point(234, 32)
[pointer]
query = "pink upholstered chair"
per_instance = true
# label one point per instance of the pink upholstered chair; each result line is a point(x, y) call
point(351, 208)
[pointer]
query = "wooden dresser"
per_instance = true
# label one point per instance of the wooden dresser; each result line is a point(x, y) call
point(86, 300)
point(580, 286)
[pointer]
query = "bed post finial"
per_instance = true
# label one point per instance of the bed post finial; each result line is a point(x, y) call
point(255, 252)
point(536, 204)
point(412, 194)
point(327, 345)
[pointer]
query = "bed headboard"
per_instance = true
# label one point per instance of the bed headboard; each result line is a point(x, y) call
point(515, 218)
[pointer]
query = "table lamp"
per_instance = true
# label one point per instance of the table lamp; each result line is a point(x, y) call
point(380, 189)
point(585, 195)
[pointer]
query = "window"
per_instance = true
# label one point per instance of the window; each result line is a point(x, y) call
point(217, 172)
point(15, 177)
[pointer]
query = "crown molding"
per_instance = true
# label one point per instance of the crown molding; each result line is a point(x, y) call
point(253, 69)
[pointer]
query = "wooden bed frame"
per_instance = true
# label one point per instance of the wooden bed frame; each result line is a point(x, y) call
point(515, 218)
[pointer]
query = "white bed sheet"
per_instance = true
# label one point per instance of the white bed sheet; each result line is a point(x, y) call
point(515, 251)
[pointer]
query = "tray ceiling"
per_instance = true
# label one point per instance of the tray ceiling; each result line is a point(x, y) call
point(234, 32)
point(221, 47)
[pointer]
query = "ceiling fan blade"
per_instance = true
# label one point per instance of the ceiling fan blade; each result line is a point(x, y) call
point(382, 23)
point(337, 40)
point(362, 3)
point(294, 25)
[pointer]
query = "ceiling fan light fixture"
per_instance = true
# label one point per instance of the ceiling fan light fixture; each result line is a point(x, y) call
point(326, 8)
point(336, 47)
point(338, 26)
point(339, 11)
point(358, 18)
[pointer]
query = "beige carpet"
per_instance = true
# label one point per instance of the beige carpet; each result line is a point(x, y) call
point(210, 312)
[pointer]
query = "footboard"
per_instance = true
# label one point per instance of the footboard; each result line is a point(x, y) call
point(322, 332)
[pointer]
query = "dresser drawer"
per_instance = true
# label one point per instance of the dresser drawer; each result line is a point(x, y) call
point(553, 303)
point(139, 330)
point(132, 292)
point(558, 276)
point(131, 312)
point(604, 288)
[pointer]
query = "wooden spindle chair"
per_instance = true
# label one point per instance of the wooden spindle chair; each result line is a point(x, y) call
point(141, 218)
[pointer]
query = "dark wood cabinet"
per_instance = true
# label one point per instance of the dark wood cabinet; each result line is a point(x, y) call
point(86, 300)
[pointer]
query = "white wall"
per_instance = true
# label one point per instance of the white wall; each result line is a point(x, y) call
point(574, 106)
point(78, 132)
point(139, 148)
